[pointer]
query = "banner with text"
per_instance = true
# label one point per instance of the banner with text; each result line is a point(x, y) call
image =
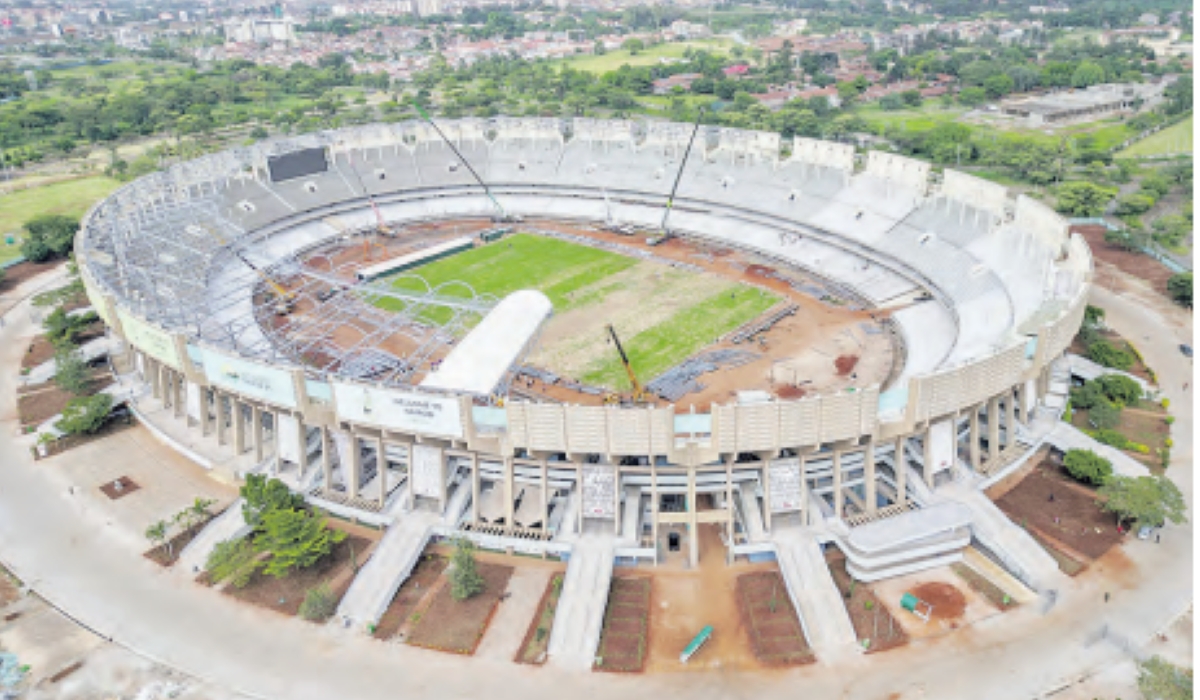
point(153, 341)
point(270, 384)
point(399, 410)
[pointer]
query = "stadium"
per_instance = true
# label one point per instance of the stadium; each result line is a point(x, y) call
point(597, 340)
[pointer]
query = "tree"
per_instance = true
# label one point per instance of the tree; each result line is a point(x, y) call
point(319, 604)
point(1087, 74)
point(49, 235)
point(972, 96)
point(70, 371)
point(465, 580)
point(1106, 354)
point(263, 495)
point(295, 539)
point(1159, 679)
point(63, 328)
point(998, 86)
point(1120, 389)
point(1087, 396)
point(85, 414)
point(912, 98)
point(1134, 203)
point(1180, 288)
point(235, 560)
point(157, 534)
point(1088, 466)
point(633, 46)
point(1093, 316)
point(891, 103)
point(1105, 415)
point(1148, 500)
point(1083, 198)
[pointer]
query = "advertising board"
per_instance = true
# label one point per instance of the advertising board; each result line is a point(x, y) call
point(151, 340)
point(269, 384)
point(399, 410)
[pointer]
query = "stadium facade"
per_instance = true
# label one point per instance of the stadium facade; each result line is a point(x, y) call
point(984, 291)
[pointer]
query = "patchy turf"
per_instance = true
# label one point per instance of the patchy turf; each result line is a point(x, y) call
point(623, 641)
point(1173, 140)
point(70, 197)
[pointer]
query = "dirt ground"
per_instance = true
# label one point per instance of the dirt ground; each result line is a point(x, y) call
point(982, 586)
point(623, 640)
point(457, 626)
point(770, 620)
point(1139, 425)
point(119, 488)
point(869, 616)
point(20, 272)
point(1139, 368)
point(47, 400)
point(955, 603)
point(537, 638)
point(412, 592)
point(798, 358)
point(1135, 264)
point(285, 595)
point(1082, 531)
point(687, 600)
point(167, 553)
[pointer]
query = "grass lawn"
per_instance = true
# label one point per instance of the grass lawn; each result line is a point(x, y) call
point(923, 118)
point(660, 347)
point(523, 261)
point(1173, 140)
point(71, 197)
point(615, 59)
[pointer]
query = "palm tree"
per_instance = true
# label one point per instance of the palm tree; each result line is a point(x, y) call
point(157, 534)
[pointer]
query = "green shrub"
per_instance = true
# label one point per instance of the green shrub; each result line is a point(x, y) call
point(318, 604)
point(1087, 396)
point(1169, 420)
point(1111, 438)
point(1105, 415)
point(1179, 287)
point(1120, 389)
point(465, 580)
point(1106, 354)
point(1088, 466)
point(235, 560)
point(85, 415)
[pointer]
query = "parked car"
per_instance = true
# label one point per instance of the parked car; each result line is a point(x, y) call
point(1186, 350)
point(1145, 531)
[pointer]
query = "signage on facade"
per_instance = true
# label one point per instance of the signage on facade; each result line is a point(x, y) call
point(785, 485)
point(427, 471)
point(153, 341)
point(399, 410)
point(599, 490)
point(269, 384)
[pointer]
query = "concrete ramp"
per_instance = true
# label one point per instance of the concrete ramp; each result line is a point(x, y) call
point(751, 514)
point(1015, 547)
point(576, 632)
point(226, 526)
point(814, 594)
point(1067, 437)
point(377, 582)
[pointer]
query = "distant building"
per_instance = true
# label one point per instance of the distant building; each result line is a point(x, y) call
point(256, 31)
point(1093, 103)
point(664, 86)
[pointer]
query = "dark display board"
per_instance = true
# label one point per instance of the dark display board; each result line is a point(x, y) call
point(297, 164)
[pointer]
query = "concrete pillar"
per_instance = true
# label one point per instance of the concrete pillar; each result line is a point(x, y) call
point(205, 416)
point(1010, 419)
point(256, 432)
point(509, 491)
point(326, 459)
point(155, 380)
point(579, 489)
point(545, 498)
point(805, 512)
point(381, 470)
point(729, 509)
point(693, 526)
point(928, 456)
point(901, 468)
point(869, 487)
point(301, 444)
point(239, 426)
point(443, 490)
point(222, 418)
point(766, 484)
point(654, 506)
point(176, 399)
point(993, 429)
point(410, 499)
point(837, 484)
point(973, 438)
point(354, 473)
point(475, 488)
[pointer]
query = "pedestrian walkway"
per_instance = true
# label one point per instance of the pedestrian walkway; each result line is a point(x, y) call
point(1087, 370)
point(229, 525)
point(580, 616)
point(813, 591)
point(377, 582)
point(1067, 437)
point(998, 576)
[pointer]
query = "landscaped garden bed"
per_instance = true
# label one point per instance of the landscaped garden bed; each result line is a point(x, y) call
point(624, 639)
point(1144, 426)
point(457, 626)
point(284, 595)
point(37, 405)
point(415, 588)
point(537, 638)
point(167, 553)
point(981, 585)
point(769, 618)
point(873, 624)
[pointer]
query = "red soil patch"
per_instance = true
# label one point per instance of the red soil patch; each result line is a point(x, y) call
point(457, 626)
point(845, 364)
point(20, 272)
point(948, 602)
point(1135, 264)
point(119, 488)
point(769, 618)
point(624, 639)
point(756, 270)
point(411, 593)
point(787, 391)
point(870, 618)
point(285, 594)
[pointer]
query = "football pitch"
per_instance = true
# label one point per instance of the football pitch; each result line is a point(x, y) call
point(662, 314)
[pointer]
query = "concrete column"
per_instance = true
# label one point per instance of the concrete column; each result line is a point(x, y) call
point(509, 491)
point(766, 484)
point(805, 512)
point(579, 488)
point(354, 473)
point(222, 423)
point(654, 506)
point(1010, 419)
point(301, 444)
point(973, 439)
point(176, 395)
point(901, 468)
point(475, 488)
point(443, 490)
point(275, 452)
point(411, 499)
point(239, 426)
point(869, 487)
point(693, 526)
point(617, 499)
point(153, 376)
point(837, 484)
point(993, 429)
point(205, 416)
point(729, 508)
point(928, 456)
point(256, 432)
point(381, 469)
point(326, 459)
point(545, 498)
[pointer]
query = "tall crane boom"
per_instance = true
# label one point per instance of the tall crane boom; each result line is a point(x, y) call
point(639, 394)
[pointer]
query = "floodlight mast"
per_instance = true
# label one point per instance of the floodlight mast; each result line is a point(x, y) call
point(486, 190)
point(679, 175)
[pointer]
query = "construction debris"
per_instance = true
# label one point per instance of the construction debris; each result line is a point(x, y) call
point(680, 380)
